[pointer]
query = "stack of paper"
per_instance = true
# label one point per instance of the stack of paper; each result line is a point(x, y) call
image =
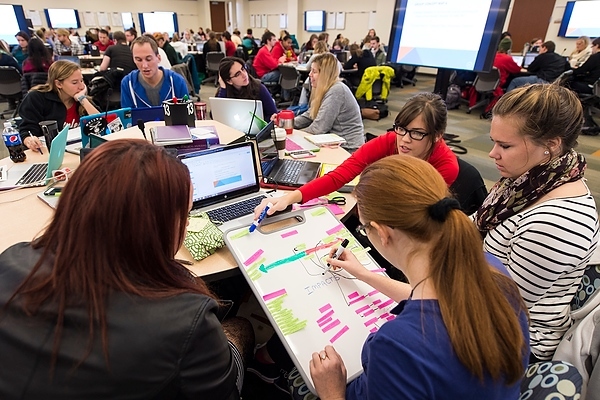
point(327, 139)
point(171, 135)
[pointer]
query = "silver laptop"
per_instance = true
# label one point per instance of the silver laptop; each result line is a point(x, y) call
point(31, 175)
point(518, 60)
point(226, 184)
point(238, 114)
point(529, 57)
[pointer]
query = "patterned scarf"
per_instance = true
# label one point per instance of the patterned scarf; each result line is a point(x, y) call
point(509, 196)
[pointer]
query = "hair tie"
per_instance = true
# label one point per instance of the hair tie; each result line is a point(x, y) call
point(439, 211)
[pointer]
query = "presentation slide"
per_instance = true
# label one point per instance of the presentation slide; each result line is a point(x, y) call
point(314, 21)
point(580, 19)
point(159, 22)
point(62, 18)
point(10, 25)
point(454, 34)
point(127, 18)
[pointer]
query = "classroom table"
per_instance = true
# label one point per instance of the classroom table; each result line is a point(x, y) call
point(24, 215)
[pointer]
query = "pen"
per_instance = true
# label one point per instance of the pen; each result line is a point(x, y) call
point(262, 216)
point(174, 100)
point(338, 253)
point(39, 149)
point(185, 97)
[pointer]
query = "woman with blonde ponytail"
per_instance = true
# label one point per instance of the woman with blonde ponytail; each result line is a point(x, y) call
point(461, 327)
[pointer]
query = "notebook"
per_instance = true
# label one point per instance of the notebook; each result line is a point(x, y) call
point(282, 172)
point(147, 114)
point(225, 180)
point(237, 113)
point(326, 139)
point(170, 135)
point(31, 175)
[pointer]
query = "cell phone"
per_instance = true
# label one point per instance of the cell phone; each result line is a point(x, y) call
point(301, 154)
point(53, 191)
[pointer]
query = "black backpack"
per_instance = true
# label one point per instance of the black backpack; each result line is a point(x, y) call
point(453, 97)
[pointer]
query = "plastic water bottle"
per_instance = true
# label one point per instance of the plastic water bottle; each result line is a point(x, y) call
point(13, 143)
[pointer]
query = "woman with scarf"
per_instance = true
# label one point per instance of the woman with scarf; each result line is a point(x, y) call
point(540, 218)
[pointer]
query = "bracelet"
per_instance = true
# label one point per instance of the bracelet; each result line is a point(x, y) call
point(81, 98)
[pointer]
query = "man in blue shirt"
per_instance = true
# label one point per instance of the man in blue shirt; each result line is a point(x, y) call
point(150, 84)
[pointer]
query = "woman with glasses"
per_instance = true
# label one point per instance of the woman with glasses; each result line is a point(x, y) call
point(461, 325)
point(418, 131)
point(540, 218)
point(236, 83)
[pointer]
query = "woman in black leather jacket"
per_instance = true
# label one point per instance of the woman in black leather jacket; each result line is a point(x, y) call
point(99, 308)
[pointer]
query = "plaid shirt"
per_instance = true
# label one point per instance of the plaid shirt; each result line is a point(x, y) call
point(76, 48)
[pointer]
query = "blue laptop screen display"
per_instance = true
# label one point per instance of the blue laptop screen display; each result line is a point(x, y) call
point(225, 170)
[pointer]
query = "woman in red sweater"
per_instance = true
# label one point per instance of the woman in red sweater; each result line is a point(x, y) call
point(418, 131)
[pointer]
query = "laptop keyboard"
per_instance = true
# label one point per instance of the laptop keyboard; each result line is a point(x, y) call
point(36, 173)
point(289, 172)
point(235, 210)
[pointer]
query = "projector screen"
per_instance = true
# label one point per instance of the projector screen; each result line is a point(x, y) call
point(453, 34)
point(314, 21)
point(580, 19)
point(127, 18)
point(13, 21)
point(62, 18)
point(159, 22)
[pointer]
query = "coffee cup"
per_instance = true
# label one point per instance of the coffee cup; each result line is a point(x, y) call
point(50, 131)
point(280, 140)
point(285, 119)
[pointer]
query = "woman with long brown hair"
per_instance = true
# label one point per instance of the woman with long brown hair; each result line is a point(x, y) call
point(98, 306)
point(461, 325)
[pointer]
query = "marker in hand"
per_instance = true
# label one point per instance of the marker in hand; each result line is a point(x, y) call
point(262, 216)
point(338, 253)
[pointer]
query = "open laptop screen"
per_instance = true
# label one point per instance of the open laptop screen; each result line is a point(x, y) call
point(222, 173)
point(529, 57)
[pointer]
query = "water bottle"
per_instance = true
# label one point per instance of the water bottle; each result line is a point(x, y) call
point(13, 143)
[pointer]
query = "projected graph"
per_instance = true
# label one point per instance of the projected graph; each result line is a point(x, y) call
point(227, 181)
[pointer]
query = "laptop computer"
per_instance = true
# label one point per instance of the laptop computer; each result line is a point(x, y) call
point(529, 57)
point(518, 60)
point(32, 175)
point(237, 114)
point(147, 114)
point(282, 172)
point(225, 184)
point(101, 124)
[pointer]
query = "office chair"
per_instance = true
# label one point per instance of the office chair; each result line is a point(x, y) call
point(289, 80)
point(485, 84)
point(468, 188)
point(10, 88)
point(213, 59)
point(590, 102)
point(32, 79)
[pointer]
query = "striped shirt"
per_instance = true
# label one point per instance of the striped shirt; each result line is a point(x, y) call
point(546, 249)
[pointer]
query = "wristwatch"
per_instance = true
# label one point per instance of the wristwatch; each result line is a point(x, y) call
point(81, 98)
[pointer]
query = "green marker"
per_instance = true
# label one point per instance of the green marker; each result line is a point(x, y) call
point(186, 97)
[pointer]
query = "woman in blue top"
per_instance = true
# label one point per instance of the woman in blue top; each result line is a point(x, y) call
point(461, 326)
point(236, 83)
point(20, 52)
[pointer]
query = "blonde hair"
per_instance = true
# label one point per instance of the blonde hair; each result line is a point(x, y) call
point(62, 32)
point(59, 71)
point(320, 47)
point(329, 73)
point(479, 305)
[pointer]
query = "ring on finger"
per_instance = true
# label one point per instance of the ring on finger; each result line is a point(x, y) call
point(323, 356)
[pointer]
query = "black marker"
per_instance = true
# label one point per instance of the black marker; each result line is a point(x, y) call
point(338, 253)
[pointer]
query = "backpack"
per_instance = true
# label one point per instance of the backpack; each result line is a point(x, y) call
point(373, 110)
point(453, 97)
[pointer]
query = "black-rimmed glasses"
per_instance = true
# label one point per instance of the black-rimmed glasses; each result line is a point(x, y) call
point(239, 73)
point(362, 228)
point(413, 133)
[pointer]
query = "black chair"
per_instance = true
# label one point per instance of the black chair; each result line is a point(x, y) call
point(468, 188)
point(485, 84)
point(408, 74)
point(589, 103)
point(289, 80)
point(213, 59)
point(10, 88)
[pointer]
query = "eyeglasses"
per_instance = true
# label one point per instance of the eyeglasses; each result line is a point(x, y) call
point(238, 74)
point(413, 133)
point(362, 228)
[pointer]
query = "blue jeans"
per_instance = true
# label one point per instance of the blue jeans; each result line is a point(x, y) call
point(524, 80)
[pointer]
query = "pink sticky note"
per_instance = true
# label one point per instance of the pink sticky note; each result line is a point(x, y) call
point(385, 304)
point(325, 321)
point(391, 317)
point(356, 300)
point(377, 302)
point(340, 333)
point(368, 313)
point(290, 233)
point(374, 292)
point(378, 270)
point(325, 308)
point(332, 325)
point(353, 295)
point(363, 308)
point(335, 209)
point(271, 296)
point(373, 330)
point(324, 317)
point(371, 321)
point(335, 229)
point(253, 257)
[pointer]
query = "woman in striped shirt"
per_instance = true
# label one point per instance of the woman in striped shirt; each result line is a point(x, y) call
point(540, 218)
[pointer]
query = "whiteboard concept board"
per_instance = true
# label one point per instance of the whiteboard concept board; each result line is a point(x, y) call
point(308, 308)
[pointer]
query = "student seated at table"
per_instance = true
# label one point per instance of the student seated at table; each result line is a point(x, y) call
point(230, 46)
point(39, 57)
point(119, 55)
point(150, 84)
point(236, 83)
point(540, 218)
point(62, 99)
point(320, 48)
point(359, 59)
point(265, 63)
point(461, 325)
point(104, 41)
point(101, 308)
point(211, 44)
point(418, 131)
point(333, 108)
point(6, 58)
point(164, 44)
point(64, 46)
point(543, 69)
point(20, 51)
point(284, 48)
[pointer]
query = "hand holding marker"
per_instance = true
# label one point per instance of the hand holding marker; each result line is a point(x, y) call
point(338, 253)
point(262, 216)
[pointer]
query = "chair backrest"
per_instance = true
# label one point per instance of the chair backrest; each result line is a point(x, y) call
point(290, 78)
point(10, 81)
point(596, 88)
point(250, 67)
point(468, 188)
point(183, 70)
point(213, 59)
point(487, 81)
point(32, 79)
